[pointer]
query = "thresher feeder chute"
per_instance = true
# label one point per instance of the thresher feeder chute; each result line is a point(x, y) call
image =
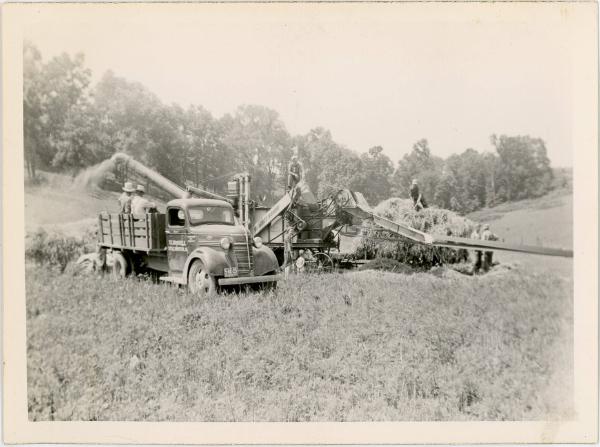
point(355, 205)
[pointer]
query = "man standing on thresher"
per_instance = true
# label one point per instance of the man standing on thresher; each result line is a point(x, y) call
point(295, 173)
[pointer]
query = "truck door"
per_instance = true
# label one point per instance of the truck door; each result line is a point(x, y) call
point(176, 240)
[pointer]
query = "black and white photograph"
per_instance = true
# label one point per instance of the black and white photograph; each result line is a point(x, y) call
point(302, 212)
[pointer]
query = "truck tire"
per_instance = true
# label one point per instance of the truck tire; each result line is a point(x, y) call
point(200, 282)
point(120, 267)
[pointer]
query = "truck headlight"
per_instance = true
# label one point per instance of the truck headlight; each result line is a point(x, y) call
point(225, 243)
point(257, 242)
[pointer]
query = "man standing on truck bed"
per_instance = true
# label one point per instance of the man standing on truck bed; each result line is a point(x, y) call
point(125, 198)
point(139, 204)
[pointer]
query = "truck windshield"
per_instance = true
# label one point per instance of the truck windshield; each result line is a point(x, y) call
point(211, 215)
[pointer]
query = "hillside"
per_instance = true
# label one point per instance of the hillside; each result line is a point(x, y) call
point(67, 204)
point(546, 221)
point(60, 202)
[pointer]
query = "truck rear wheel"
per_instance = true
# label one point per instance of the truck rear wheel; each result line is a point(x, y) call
point(200, 282)
point(120, 266)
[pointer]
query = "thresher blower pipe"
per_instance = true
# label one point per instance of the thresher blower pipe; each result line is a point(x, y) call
point(202, 193)
point(163, 182)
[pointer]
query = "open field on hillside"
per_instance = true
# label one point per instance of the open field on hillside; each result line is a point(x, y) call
point(545, 221)
point(63, 203)
point(360, 346)
point(58, 203)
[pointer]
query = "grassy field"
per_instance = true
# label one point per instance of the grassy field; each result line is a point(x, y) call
point(360, 346)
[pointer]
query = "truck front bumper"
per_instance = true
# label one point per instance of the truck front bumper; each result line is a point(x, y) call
point(248, 280)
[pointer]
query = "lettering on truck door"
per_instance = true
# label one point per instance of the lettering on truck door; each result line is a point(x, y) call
point(176, 240)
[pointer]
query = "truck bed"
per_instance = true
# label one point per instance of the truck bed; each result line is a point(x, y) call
point(126, 231)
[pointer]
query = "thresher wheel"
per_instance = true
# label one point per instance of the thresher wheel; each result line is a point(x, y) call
point(322, 263)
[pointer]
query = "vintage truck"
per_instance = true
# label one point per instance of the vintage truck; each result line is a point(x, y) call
point(198, 242)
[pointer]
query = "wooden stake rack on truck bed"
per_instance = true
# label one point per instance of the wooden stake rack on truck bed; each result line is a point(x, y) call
point(126, 231)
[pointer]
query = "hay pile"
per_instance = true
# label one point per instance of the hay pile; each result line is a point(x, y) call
point(429, 220)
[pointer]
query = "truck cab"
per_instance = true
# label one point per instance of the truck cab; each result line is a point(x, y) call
point(208, 246)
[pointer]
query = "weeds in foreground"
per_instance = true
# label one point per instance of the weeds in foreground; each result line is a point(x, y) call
point(55, 250)
point(361, 346)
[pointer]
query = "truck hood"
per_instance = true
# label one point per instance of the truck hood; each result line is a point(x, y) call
point(218, 230)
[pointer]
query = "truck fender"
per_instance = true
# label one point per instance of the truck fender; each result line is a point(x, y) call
point(265, 260)
point(214, 261)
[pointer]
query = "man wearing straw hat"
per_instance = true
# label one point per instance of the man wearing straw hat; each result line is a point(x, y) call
point(139, 204)
point(125, 198)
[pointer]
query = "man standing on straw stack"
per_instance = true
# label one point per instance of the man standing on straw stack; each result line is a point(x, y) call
point(418, 200)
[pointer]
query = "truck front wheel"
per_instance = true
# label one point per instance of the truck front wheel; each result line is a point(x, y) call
point(200, 282)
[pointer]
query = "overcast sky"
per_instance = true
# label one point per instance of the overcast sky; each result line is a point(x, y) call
point(387, 76)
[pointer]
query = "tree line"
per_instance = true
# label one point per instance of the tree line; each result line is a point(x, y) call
point(70, 124)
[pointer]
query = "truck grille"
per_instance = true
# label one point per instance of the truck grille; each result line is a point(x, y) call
point(243, 254)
